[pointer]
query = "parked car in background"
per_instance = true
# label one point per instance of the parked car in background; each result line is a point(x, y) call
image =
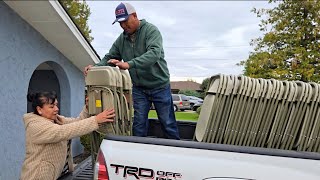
point(196, 106)
point(194, 100)
point(180, 102)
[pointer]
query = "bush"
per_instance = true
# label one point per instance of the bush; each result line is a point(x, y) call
point(85, 141)
point(198, 110)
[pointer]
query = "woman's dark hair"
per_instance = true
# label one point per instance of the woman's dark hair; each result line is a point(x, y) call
point(41, 98)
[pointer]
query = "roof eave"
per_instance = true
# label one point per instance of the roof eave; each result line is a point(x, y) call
point(51, 20)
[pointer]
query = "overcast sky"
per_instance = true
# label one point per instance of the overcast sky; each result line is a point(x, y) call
point(200, 39)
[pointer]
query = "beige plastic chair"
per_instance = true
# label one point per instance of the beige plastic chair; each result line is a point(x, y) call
point(316, 127)
point(213, 121)
point(305, 98)
point(280, 91)
point(246, 108)
point(227, 107)
point(202, 128)
point(276, 127)
point(216, 118)
point(254, 119)
point(245, 125)
point(237, 99)
point(238, 113)
point(254, 106)
point(288, 135)
point(298, 126)
point(118, 95)
point(127, 99)
point(310, 121)
point(256, 130)
point(270, 112)
point(289, 118)
point(95, 79)
point(234, 99)
point(250, 122)
point(284, 119)
point(267, 103)
point(98, 80)
point(106, 86)
point(101, 98)
point(263, 107)
point(316, 145)
point(97, 76)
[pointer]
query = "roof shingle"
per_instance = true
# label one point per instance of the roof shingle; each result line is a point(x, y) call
point(185, 85)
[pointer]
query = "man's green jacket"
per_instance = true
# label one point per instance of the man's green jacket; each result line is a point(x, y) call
point(145, 56)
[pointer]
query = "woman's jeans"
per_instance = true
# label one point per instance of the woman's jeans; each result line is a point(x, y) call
point(162, 100)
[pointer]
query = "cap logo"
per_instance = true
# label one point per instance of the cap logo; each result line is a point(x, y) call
point(123, 11)
point(120, 12)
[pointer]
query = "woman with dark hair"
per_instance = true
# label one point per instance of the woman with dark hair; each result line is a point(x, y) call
point(47, 134)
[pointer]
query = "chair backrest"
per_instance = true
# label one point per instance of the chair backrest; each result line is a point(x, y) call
point(244, 111)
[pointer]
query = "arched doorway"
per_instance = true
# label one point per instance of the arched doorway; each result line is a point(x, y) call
point(50, 76)
point(43, 79)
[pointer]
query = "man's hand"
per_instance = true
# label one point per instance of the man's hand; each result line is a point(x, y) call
point(123, 65)
point(86, 69)
point(120, 64)
point(113, 61)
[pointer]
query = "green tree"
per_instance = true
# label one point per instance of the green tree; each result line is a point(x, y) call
point(204, 86)
point(290, 46)
point(205, 83)
point(79, 12)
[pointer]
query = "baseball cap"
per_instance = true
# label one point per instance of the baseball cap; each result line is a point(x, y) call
point(123, 11)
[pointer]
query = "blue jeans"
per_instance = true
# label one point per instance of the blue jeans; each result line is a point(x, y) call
point(162, 100)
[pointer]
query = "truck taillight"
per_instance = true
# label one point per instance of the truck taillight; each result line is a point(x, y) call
point(100, 169)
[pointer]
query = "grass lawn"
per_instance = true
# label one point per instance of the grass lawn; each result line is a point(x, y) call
point(186, 116)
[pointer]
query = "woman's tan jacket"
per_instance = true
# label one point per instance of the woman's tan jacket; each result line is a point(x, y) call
point(46, 143)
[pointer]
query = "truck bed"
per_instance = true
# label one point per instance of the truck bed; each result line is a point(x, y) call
point(84, 170)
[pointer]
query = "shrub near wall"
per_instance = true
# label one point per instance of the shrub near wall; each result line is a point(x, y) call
point(85, 141)
point(198, 110)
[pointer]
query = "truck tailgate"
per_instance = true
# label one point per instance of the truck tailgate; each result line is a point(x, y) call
point(151, 158)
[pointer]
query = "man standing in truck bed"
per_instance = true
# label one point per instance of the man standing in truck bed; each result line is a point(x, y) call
point(140, 48)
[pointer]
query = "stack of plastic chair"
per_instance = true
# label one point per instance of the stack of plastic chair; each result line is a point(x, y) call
point(109, 87)
point(268, 113)
point(127, 102)
point(312, 141)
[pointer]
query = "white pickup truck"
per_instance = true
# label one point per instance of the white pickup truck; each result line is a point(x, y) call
point(124, 157)
point(247, 129)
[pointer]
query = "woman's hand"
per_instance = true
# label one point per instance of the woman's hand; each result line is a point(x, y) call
point(87, 103)
point(59, 120)
point(105, 116)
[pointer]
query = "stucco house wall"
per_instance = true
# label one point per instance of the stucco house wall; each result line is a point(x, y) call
point(22, 50)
